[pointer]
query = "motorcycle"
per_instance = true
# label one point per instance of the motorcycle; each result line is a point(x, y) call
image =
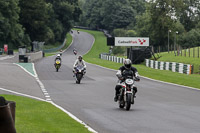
point(75, 52)
point(79, 72)
point(57, 65)
point(127, 93)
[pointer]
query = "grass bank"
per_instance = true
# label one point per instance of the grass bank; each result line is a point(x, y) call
point(163, 75)
point(195, 61)
point(33, 116)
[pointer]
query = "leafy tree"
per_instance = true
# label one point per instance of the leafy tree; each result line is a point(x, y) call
point(131, 33)
point(11, 32)
point(34, 18)
point(108, 14)
point(138, 5)
point(190, 39)
point(62, 15)
point(189, 13)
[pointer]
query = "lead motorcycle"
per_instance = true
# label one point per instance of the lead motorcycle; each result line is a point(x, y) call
point(79, 72)
point(127, 93)
point(57, 65)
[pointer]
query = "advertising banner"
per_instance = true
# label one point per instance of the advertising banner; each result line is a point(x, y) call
point(131, 41)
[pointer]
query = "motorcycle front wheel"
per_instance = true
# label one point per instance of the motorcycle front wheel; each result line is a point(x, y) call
point(78, 78)
point(57, 67)
point(128, 101)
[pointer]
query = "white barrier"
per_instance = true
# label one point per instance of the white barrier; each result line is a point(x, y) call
point(175, 67)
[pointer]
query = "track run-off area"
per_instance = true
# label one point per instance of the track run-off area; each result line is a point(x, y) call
point(159, 107)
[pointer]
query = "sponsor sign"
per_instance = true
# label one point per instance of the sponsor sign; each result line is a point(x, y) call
point(131, 41)
point(5, 48)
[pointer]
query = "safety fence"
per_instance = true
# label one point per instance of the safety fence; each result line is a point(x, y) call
point(55, 49)
point(172, 66)
point(112, 58)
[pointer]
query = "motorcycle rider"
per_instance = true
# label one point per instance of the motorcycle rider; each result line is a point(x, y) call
point(121, 74)
point(58, 57)
point(75, 51)
point(78, 62)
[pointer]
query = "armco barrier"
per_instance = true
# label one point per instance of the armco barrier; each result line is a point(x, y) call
point(55, 49)
point(172, 66)
point(112, 58)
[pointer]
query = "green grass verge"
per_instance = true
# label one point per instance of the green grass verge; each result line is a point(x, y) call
point(163, 75)
point(195, 61)
point(33, 116)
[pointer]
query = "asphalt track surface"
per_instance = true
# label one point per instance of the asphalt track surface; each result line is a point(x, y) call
point(13, 78)
point(159, 107)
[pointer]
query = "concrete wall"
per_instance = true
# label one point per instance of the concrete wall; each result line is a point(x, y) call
point(35, 56)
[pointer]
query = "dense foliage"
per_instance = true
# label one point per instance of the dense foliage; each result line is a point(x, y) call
point(24, 21)
point(146, 18)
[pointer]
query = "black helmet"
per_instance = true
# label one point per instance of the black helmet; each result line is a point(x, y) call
point(127, 63)
point(80, 58)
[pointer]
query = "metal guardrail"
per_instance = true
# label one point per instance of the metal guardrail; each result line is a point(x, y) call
point(55, 49)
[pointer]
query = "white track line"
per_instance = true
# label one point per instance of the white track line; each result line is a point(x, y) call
point(57, 106)
point(21, 94)
point(7, 57)
point(48, 99)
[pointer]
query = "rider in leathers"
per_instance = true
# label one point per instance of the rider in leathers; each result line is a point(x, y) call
point(58, 57)
point(78, 62)
point(122, 73)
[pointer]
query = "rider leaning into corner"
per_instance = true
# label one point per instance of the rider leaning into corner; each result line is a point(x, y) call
point(121, 74)
point(78, 62)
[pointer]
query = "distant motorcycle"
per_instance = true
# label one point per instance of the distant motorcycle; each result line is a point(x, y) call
point(57, 65)
point(75, 52)
point(127, 93)
point(79, 72)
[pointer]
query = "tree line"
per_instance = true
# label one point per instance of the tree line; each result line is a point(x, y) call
point(24, 21)
point(159, 20)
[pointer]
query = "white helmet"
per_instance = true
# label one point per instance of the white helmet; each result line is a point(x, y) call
point(127, 63)
point(58, 55)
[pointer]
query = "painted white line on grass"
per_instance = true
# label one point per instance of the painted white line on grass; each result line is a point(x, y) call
point(21, 94)
point(57, 106)
point(188, 87)
point(74, 117)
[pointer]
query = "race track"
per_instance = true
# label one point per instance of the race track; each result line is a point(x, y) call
point(159, 107)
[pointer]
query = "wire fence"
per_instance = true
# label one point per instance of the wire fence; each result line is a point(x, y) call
point(179, 51)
